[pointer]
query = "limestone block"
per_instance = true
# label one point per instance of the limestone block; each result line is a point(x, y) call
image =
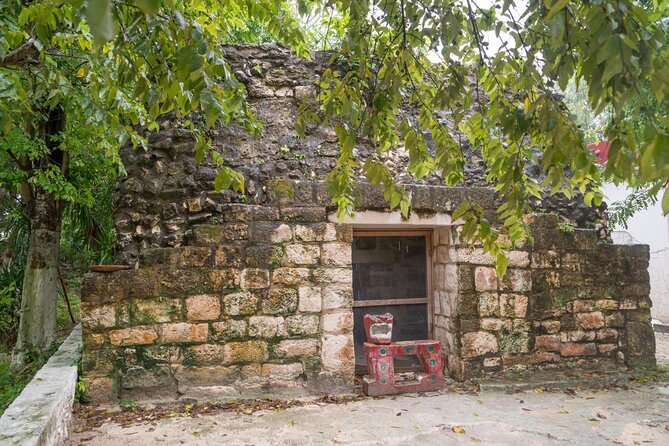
point(478, 343)
point(496, 324)
point(266, 326)
point(607, 335)
point(183, 332)
point(589, 321)
point(341, 322)
point(337, 353)
point(581, 306)
point(235, 212)
point(576, 349)
point(551, 326)
point(337, 297)
point(336, 254)
point(92, 341)
point(475, 256)
point(133, 336)
point(344, 232)
point(194, 204)
point(229, 329)
point(489, 304)
point(549, 343)
point(489, 363)
point(606, 349)
point(615, 320)
point(309, 299)
point(210, 375)
point(283, 233)
point(95, 316)
point(282, 92)
point(138, 377)
point(204, 307)
point(120, 285)
point(545, 259)
point(292, 348)
point(262, 256)
point(240, 304)
point(446, 254)
point(518, 259)
point(520, 280)
point(302, 254)
point(316, 232)
point(333, 276)
point(304, 214)
point(223, 278)
point(302, 324)
point(229, 255)
point(205, 354)
point(578, 335)
point(445, 277)
point(572, 261)
point(162, 353)
point(254, 278)
point(485, 279)
point(628, 304)
point(304, 91)
point(513, 305)
point(282, 371)
point(193, 256)
point(248, 351)
point(280, 300)
point(290, 276)
point(156, 310)
point(99, 389)
point(640, 344)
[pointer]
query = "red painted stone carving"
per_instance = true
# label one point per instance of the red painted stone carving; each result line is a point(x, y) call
point(379, 328)
point(381, 379)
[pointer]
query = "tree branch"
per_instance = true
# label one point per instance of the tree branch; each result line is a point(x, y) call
point(23, 55)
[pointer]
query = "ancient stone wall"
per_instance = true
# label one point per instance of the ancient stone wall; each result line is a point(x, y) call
point(165, 191)
point(252, 293)
point(260, 301)
point(566, 301)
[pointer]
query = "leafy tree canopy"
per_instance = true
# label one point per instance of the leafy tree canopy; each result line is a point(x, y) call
point(114, 67)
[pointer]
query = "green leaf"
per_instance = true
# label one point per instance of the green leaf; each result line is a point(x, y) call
point(558, 6)
point(501, 263)
point(149, 7)
point(665, 201)
point(99, 18)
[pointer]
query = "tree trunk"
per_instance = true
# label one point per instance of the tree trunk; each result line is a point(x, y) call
point(37, 328)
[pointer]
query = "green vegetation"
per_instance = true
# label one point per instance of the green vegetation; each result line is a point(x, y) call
point(566, 227)
point(646, 375)
point(12, 382)
point(512, 341)
point(128, 405)
point(78, 79)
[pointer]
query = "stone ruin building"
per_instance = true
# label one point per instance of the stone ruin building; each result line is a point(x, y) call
point(265, 293)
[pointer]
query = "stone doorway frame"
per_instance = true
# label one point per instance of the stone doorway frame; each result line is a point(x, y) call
point(443, 281)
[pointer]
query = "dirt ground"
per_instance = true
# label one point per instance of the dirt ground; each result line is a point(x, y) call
point(623, 415)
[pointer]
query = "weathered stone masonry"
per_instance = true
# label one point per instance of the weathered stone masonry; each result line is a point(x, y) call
point(253, 294)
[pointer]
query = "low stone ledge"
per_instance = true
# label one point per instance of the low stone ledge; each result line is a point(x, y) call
point(41, 414)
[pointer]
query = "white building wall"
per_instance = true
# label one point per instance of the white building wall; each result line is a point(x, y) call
point(652, 228)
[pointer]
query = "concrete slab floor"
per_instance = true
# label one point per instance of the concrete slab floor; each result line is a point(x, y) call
point(637, 416)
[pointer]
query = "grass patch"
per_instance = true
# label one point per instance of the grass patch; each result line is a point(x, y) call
point(13, 382)
point(647, 375)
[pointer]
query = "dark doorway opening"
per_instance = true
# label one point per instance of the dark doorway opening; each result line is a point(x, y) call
point(392, 274)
